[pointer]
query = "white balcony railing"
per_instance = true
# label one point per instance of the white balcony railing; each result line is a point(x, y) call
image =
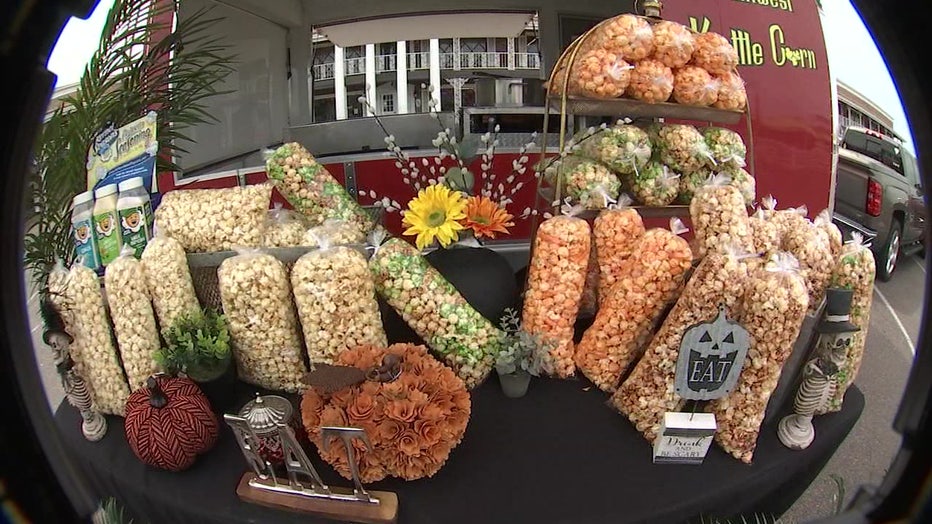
point(487, 60)
point(418, 61)
point(386, 63)
point(527, 61)
point(389, 63)
point(323, 71)
point(355, 66)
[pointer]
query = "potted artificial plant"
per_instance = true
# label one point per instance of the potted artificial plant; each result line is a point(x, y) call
point(197, 345)
point(521, 356)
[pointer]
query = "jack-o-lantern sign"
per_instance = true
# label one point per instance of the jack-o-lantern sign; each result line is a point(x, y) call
point(169, 423)
point(711, 357)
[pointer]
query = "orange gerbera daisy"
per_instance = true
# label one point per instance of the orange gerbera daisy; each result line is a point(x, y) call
point(486, 218)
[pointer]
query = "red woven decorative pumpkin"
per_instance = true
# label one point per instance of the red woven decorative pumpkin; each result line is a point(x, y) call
point(169, 423)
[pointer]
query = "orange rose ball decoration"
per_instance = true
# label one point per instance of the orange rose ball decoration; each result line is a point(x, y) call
point(412, 422)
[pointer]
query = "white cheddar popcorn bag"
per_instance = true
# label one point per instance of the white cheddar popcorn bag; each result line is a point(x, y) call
point(168, 278)
point(720, 218)
point(335, 297)
point(812, 248)
point(773, 308)
point(765, 234)
point(77, 295)
point(134, 324)
point(284, 228)
point(256, 296)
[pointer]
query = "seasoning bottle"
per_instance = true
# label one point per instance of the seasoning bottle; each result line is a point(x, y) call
point(82, 229)
point(106, 223)
point(135, 213)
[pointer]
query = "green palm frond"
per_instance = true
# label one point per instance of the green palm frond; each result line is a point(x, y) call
point(126, 77)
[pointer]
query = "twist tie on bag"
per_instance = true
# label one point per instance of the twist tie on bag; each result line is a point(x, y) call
point(759, 214)
point(247, 252)
point(824, 218)
point(801, 210)
point(678, 227)
point(668, 178)
point(769, 203)
point(126, 251)
point(320, 237)
point(719, 180)
point(616, 70)
point(570, 210)
point(267, 154)
point(376, 239)
point(607, 199)
point(857, 243)
point(737, 251)
point(782, 262)
point(624, 201)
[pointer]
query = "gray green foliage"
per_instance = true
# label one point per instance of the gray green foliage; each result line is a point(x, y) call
point(197, 345)
point(521, 350)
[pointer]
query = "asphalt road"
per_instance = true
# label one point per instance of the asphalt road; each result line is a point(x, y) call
point(867, 452)
point(863, 458)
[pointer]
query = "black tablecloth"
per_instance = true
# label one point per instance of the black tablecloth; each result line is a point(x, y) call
point(558, 455)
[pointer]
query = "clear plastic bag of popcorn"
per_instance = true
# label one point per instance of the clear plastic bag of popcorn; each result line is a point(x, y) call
point(589, 183)
point(595, 73)
point(651, 82)
point(633, 305)
point(207, 220)
point(168, 278)
point(812, 248)
point(726, 147)
point(616, 233)
point(464, 340)
point(714, 53)
point(694, 86)
point(673, 44)
point(789, 219)
point(256, 294)
point(337, 233)
point(311, 189)
point(624, 148)
point(336, 301)
point(628, 36)
point(556, 279)
point(765, 234)
point(648, 391)
point(742, 180)
point(682, 148)
point(284, 228)
point(655, 185)
point(690, 183)
point(137, 334)
point(720, 218)
point(773, 307)
point(855, 270)
point(824, 222)
point(731, 92)
point(76, 294)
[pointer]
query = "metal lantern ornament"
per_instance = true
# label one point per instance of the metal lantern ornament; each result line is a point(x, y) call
point(651, 8)
point(264, 415)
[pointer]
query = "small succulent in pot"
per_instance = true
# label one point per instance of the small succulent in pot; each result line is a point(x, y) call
point(522, 355)
point(198, 345)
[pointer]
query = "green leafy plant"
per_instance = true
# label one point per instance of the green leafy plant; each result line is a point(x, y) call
point(520, 350)
point(197, 345)
point(129, 75)
point(110, 512)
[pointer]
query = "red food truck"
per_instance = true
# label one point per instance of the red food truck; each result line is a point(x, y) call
point(302, 72)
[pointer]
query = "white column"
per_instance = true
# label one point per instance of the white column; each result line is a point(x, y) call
point(401, 78)
point(456, 53)
point(511, 53)
point(435, 70)
point(339, 82)
point(371, 94)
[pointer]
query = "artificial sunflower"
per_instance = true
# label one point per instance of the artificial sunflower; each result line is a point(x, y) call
point(435, 213)
point(486, 218)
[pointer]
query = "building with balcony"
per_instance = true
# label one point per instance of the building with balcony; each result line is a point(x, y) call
point(855, 109)
point(495, 71)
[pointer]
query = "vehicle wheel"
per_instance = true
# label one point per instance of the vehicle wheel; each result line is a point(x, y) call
point(890, 253)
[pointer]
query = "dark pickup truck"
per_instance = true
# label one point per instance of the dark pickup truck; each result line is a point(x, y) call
point(879, 193)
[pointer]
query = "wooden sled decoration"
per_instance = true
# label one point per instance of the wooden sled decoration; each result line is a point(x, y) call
point(304, 491)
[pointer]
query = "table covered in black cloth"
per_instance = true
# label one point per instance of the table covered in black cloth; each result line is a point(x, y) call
point(558, 455)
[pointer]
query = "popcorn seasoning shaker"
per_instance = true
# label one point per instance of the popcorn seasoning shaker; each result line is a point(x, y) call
point(263, 415)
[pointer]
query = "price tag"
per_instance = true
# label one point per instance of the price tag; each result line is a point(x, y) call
point(684, 438)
